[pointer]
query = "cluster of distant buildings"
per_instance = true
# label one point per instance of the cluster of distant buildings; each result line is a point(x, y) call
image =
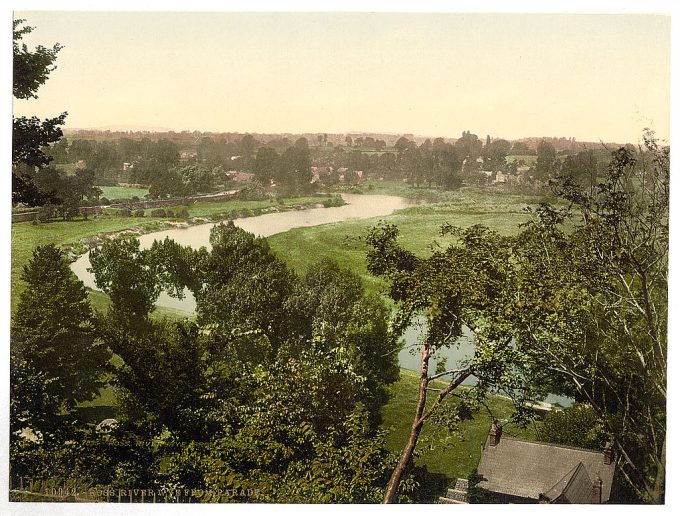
point(343, 174)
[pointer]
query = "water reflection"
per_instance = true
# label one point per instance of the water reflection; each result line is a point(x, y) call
point(457, 356)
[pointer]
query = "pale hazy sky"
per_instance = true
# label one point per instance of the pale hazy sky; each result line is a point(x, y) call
point(588, 76)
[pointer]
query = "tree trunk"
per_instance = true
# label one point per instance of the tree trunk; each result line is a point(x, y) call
point(660, 481)
point(416, 427)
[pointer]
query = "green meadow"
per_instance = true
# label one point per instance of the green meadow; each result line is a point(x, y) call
point(122, 192)
point(419, 226)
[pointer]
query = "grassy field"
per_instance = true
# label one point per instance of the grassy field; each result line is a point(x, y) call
point(528, 159)
point(122, 192)
point(454, 455)
point(419, 227)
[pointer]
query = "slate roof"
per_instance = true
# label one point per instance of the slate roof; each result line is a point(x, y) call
point(529, 469)
point(575, 487)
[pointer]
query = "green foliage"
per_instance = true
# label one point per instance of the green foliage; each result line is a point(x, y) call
point(125, 274)
point(31, 68)
point(30, 135)
point(546, 161)
point(163, 379)
point(468, 284)
point(578, 425)
point(285, 458)
point(158, 212)
point(594, 304)
point(244, 286)
point(332, 202)
point(57, 359)
point(277, 388)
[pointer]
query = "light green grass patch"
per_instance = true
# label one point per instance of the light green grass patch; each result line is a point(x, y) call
point(123, 192)
point(419, 230)
point(455, 455)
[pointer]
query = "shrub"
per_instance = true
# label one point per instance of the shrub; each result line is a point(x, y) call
point(104, 201)
point(578, 425)
point(139, 213)
point(158, 212)
point(334, 201)
point(125, 212)
point(253, 192)
point(46, 212)
point(182, 213)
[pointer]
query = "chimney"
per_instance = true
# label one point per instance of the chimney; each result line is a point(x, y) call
point(608, 454)
point(495, 433)
point(596, 491)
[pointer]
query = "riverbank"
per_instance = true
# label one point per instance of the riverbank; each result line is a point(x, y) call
point(78, 236)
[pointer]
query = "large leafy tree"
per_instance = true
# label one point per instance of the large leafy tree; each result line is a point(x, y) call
point(244, 286)
point(58, 359)
point(340, 316)
point(468, 284)
point(546, 161)
point(126, 273)
point(594, 304)
point(293, 169)
point(30, 134)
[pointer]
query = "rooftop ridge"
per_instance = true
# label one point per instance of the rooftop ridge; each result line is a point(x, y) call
point(553, 445)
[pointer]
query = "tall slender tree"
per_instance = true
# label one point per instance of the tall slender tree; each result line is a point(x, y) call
point(54, 339)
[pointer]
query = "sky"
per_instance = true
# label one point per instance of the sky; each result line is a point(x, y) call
point(592, 77)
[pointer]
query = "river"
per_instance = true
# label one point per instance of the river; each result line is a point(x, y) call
point(357, 207)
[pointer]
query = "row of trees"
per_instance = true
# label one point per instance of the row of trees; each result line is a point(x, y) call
point(433, 163)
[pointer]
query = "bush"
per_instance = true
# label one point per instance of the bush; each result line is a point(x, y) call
point(182, 213)
point(46, 212)
point(125, 212)
point(158, 212)
point(334, 201)
point(139, 213)
point(104, 201)
point(578, 425)
point(253, 192)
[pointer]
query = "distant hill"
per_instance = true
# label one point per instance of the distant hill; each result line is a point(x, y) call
point(119, 129)
point(568, 144)
point(132, 131)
